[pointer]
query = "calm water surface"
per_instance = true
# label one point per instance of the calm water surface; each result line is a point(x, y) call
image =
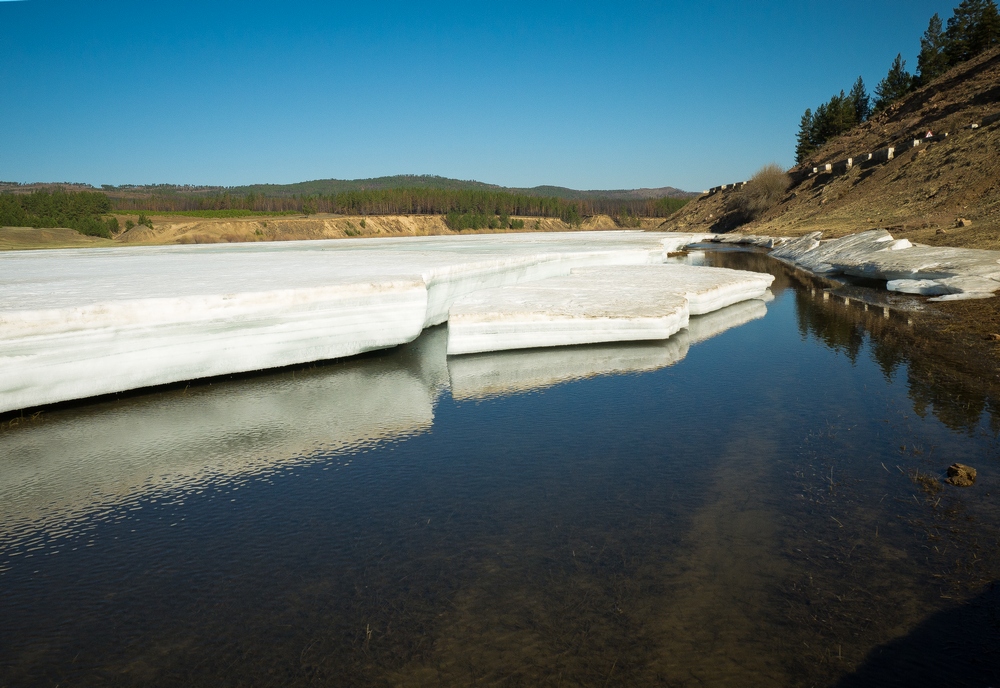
point(754, 505)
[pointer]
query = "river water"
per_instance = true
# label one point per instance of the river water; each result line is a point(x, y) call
point(760, 505)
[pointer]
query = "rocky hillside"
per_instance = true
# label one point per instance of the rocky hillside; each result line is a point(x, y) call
point(946, 191)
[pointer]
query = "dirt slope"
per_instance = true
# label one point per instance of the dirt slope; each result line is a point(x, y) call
point(920, 194)
point(189, 230)
point(22, 238)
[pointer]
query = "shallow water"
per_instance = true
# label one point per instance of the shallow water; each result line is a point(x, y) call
point(750, 506)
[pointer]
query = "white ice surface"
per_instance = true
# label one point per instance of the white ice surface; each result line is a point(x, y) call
point(80, 323)
point(944, 272)
point(596, 305)
point(483, 375)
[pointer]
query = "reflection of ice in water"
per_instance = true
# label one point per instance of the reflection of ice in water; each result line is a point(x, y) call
point(477, 376)
point(80, 462)
point(508, 372)
point(71, 465)
point(704, 327)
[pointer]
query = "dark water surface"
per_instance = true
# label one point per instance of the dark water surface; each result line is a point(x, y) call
point(757, 508)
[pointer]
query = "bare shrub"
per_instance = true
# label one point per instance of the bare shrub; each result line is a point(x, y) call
point(764, 191)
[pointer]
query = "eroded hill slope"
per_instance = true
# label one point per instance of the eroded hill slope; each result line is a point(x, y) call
point(920, 194)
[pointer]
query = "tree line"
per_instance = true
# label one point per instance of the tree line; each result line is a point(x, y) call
point(84, 211)
point(413, 201)
point(91, 212)
point(973, 28)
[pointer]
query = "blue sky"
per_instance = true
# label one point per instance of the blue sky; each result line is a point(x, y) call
point(585, 95)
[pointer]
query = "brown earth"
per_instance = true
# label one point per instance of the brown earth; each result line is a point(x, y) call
point(12, 238)
point(920, 195)
point(176, 229)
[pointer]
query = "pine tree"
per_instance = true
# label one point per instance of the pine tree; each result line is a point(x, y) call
point(973, 27)
point(987, 32)
point(932, 61)
point(896, 84)
point(860, 101)
point(842, 117)
point(804, 145)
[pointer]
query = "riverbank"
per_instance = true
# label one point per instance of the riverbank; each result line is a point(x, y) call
point(956, 341)
point(180, 229)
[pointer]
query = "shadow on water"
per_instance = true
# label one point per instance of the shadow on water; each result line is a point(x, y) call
point(956, 647)
point(757, 501)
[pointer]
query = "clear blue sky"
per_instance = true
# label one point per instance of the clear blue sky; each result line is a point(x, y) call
point(585, 95)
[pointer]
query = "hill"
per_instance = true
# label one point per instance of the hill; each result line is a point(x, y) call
point(334, 186)
point(920, 194)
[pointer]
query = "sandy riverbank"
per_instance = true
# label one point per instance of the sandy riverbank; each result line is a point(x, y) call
point(179, 229)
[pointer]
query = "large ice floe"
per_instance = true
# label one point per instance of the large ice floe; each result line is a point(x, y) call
point(81, 323)
point(596, 305)
point(944, 273)
point(482, 375)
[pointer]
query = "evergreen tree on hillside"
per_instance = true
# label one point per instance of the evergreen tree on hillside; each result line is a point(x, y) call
point(987, 33)
point(973, 28)
point(803, 142)
point(840, 116)
point(932, 61)
point(896, 84)
point(860, 101)
point(831, 119)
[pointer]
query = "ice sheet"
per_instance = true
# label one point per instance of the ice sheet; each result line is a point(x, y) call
point(945, 272)
point(596, 305)
point(484, 375)
point(80, 323)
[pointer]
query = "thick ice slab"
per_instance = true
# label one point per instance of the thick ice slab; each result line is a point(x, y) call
point(479, 376)
point(596, 305)
point(80, 323)
point(944, 272)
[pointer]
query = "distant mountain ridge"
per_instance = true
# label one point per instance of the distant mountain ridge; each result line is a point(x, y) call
point(400, 181)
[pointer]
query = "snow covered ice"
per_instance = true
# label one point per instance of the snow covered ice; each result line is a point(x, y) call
point(946, 273)
point(594, 305)
point(81, 323)
point(484, 375)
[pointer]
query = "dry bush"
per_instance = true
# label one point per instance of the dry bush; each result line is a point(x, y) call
point(765, 190)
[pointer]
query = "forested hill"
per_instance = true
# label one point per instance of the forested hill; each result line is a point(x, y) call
point(336, 186)
point(428, 181)
point(612, 194)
